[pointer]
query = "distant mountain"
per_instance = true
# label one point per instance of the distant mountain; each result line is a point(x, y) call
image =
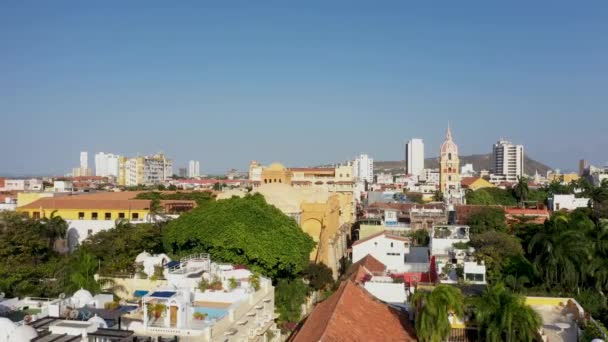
point(479, 161)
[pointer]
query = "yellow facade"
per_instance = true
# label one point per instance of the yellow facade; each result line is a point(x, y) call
point(87, 214)
point(276, 173)
point(449, 173)
point(563, 178)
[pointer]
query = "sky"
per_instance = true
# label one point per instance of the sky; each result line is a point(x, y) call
point(303, 83)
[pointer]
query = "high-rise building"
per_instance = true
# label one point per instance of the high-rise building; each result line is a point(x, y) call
point(363, 168)
point(106, 164)
point(449, 172)
point(147, 170)
point(183, 172)
point(508, 160)
point(84, 160)
point(414, 157)
point(193, 169)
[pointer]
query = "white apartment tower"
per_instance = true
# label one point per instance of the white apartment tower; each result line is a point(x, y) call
point(508, 160)
point(414, 157)
point(84, 160)
point(106, 164)
point(363, 168)
point(193, 169)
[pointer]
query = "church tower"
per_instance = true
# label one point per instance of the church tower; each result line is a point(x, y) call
point(449, 174)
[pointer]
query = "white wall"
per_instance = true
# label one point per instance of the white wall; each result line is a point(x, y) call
point(568, 202)
point(387, 292)
point(78, 230)
point(380, 247)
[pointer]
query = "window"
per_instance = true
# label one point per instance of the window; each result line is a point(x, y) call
point(391, 244)
point(81, 215)
point(393, 254)
point(449, 156)
point(265, 181)
point(135, 216)
point(36, 214)
point(121, 215)
point(474, 276)
point(93, 216)
point(280, 181)
point(340, 175)
point(89, 232)
point(108, 216)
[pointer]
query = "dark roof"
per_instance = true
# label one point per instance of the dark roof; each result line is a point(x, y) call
point(163, 294)
point(418, 255)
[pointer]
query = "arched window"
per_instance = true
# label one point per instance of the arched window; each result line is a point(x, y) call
point(449, 156)
point(265, 181)
point(280, 180)
point(450, 178)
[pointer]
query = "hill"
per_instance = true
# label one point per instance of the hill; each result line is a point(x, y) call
point(479, 161)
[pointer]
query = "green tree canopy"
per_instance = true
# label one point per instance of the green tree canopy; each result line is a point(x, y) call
point(432, 307)
point(487, 218)
point(200, 197)
point(503, 316)
point(319, 276)
point(245, 231)
point(491, 196)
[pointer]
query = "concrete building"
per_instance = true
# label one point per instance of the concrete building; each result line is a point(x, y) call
point(431, 176)
point(414, 157)
point(146, 170)
point(363, 168)
point(508, 160)
point(567, 202)
point(194, 169)
point(449, 172)
point(106, 164)
point(84, 160)
point(467, 170)
point(387, 248)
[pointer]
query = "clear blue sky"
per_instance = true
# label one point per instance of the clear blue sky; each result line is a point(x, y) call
point(225, 82)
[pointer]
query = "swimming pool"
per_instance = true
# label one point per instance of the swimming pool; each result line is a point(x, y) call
point(211, 312)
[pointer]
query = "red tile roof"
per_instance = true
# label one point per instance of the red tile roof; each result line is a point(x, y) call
point(351, 313)
point(78, 202)
point(467, 181)
point(366, 266)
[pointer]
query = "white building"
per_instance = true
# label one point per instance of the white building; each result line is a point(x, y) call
point(567, 202)
point(84, 160)
point(363, 167)
point(443, 237)
point(146, 170)
point(106, 164)
point(63, 186)
point(384, 178)
point(467, 170)
point(508, 160)
point(414, 157)
point(22, 185)
point(431, 176)
point(389, 249)
point(194, 169)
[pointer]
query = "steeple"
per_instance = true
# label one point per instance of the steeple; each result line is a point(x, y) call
point(448, 135)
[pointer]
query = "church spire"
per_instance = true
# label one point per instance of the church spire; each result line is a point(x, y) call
point(448, 135)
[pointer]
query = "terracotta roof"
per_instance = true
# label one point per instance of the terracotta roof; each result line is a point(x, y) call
point(76, 202)
point(351, 313)
point(313, 169)
point(467, 181)
point(368, 265)
point(386, 235)
point(406, 207)
point(527, 212)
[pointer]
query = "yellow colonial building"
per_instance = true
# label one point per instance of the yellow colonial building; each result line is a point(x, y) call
point(475, 183)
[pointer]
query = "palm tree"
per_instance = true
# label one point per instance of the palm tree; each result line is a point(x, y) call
point(83, 273)
point(504, 316)
point(156, 210)
point(560, 252)
point(254, 281)
point(432, 308)
point(521, 190)
point(55, 228)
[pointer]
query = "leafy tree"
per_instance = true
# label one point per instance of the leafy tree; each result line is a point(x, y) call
point(560, 252)
point(55, 228)
point(495, 249)
point(414, 197)
point(438, 196)
point(84, 266)
point(118, 247)
point(487, 218)
point(246, 231)
point(290, 294)
point(503, 316)
point(521, 190)
point(200, 197)
point(432, 324)
point(319, 276)
point(421, 237)
point(491, 196)
point(254, 281)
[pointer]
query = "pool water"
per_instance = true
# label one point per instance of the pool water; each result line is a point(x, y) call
point(211, 312)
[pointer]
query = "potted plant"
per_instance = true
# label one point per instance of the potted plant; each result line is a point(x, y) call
point(216, 285)
point(199, 316)
point(254, 281)
point(233, 283)
point(156, 311)
point(203, 285)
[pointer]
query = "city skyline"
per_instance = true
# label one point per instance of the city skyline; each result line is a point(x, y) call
point(227, 84)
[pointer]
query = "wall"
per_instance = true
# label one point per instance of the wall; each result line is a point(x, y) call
point(72, 214)
point(25, 198)
point(387, 292)
point(378, 247)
